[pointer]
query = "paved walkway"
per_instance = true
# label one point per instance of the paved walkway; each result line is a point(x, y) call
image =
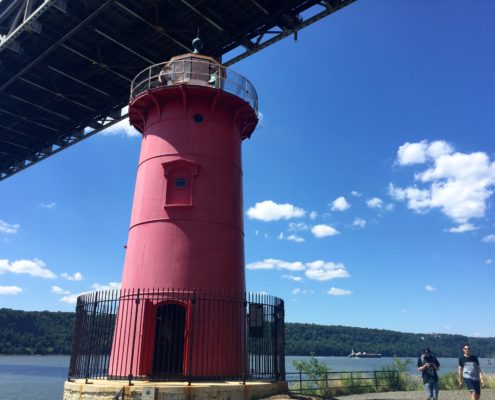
point(486, 394)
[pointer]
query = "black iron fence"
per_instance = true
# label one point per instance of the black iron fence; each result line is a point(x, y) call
point(334, 383)
point(178, 335)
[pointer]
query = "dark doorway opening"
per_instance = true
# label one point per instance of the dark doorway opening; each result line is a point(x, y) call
point(168, 350)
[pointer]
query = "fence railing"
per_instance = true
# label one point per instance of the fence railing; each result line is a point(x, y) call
point(343, 383)
point(178, 335)
point(198, 72)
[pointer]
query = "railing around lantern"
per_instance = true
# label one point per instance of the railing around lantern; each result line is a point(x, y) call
point(178, 335)
point(197, 72)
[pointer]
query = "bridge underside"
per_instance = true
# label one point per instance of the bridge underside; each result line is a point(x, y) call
point(66, 66)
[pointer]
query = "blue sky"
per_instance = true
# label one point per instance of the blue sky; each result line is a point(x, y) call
point(368, 186)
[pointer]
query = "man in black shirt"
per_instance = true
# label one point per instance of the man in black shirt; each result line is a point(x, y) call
point(429, 365)
point(470, 371)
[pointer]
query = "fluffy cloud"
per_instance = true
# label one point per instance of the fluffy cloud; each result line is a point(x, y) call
point(462, 228)
point(458, 184)
point(489, 261)
point(430, 288)
point(359, 223)
point(76, 277)
point(325, 271)
point(313, 215)
point(72, 298)
point(419, 153)
point(8, 228)
point(323, 230)
point(317, 270)
point(109, 286)
point(291, 238)
point(489, 239)
point(340, 204)
point(270, 211)
point(10, 290)
point(35, 268)
point(355, 193)
point(123, 128)
point(338, 292)
point(374, 202)
point(59, 290)
point(272, 263)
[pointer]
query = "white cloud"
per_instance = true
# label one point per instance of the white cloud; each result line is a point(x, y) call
point(359, 222)
point(291, 238)
point(10, 290)
point(374, 202)
point(458, 184)
point(466, 227)
point(71, 298)
point(317, 270)
point(324, 230)
point(35, 268)
point(489, 239)
point(340, 204)
point(313, 215)
point(272, 263)
point(298, 226)
point(430, 288)
point(292, 278)
point(8, 228)
point(324, 271)
point(121, 128)
point(356, 193)
point(59, 290)
point(338, 292)
point(109, 286)
point(76, 277)
point(419, 153)
point(489, 261)
point(270, 211)
point(48, 205)
point(296, 291)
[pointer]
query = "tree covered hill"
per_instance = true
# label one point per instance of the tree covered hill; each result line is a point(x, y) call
point(33, 332)
point(303, 339)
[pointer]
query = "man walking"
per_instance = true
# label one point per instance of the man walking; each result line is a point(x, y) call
point(429, 365)
point(470, 371)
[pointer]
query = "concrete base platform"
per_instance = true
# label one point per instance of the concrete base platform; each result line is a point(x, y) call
point(102, 389)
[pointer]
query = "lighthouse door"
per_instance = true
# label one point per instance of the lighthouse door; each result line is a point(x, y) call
point(168, 350)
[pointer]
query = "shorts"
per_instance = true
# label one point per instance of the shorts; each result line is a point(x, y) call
point(472, 385)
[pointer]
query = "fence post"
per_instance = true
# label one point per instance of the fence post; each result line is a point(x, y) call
point(93, 322)
point(275, 342)
point(376, 380)
point(193, 303)
point(134, 339)
point(300, 383)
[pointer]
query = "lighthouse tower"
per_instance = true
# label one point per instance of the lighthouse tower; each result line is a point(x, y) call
point(183, 314)
point(186, 231)
point(186, 228)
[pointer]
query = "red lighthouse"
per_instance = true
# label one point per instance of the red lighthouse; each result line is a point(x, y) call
point(182, 314)
point(186, 230)
point(186, 227)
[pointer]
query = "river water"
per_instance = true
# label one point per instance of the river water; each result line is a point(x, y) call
point(42, 377)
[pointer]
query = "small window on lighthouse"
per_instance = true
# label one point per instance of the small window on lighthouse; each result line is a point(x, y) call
point(179, 182)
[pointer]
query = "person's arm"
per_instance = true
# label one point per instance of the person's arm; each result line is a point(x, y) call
point(459, 375)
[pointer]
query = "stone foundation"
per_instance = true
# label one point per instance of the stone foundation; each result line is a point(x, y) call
point(99, 389)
